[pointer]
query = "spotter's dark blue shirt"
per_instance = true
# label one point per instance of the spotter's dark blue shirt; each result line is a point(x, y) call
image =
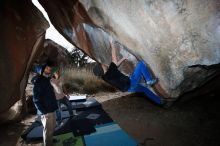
point(44, 97)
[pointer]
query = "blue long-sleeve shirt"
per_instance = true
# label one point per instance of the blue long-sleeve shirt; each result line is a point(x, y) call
point(44, 97)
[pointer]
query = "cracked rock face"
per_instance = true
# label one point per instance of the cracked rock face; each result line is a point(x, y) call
point(176, 38)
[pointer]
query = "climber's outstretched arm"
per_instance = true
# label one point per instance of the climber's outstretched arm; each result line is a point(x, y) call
point(114, 55)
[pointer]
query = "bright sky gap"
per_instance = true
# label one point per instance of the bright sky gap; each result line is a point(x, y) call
point(51, 32)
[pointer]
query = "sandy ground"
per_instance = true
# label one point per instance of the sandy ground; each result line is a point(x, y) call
point(195, 123)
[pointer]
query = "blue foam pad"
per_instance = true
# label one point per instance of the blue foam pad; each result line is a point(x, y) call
point(109, 135)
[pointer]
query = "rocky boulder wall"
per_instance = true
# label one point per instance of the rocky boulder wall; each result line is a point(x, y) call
point(178, 39)
point(54, 52)
point(22, 31)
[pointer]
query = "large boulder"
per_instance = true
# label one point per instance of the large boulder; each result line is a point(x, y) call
point(54, 52)
point(22, 32)
point(179, 40)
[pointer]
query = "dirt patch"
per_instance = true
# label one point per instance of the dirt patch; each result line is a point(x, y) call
point(195, 122)
point(11, 132)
